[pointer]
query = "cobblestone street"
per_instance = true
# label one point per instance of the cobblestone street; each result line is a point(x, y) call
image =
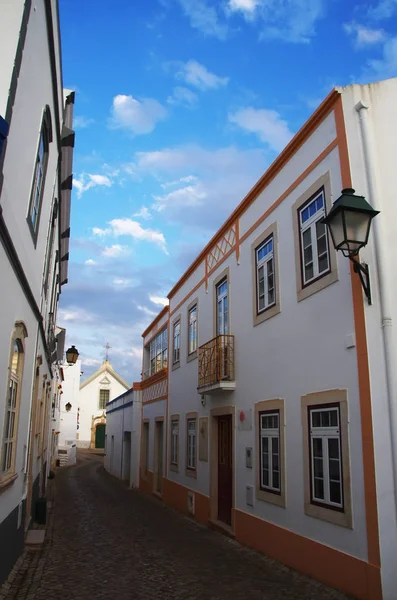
point(105, 541)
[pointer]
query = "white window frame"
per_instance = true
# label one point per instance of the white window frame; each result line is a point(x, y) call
point(326, 433)
point(100, 407)
point(269, 433)
point(264, 263)
point(222, 301)
point(176, 348)
point(310, 224)
point(192, 324)
point(174, 441)
point(9, 432)
point(158, 352)
point(191, 435)
point(8, 447)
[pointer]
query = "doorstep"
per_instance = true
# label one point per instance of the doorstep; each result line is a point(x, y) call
point(221, 527)
point(35, 538)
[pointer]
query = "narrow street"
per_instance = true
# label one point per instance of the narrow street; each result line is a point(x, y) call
point(105, 541)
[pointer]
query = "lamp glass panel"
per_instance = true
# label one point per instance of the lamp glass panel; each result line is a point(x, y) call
point(337, 229)
point(357, 226)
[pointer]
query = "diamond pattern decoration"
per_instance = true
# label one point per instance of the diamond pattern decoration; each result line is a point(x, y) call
point(223, 246)
point(157, 390)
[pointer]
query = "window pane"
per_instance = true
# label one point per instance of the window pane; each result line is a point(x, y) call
point(335, 492)
point(322, 247)
point(265, 452)
point(333, 448)
point(316, 420)
point(318, 467)
point(318, 447)
point(334, 418)
point(319, 489)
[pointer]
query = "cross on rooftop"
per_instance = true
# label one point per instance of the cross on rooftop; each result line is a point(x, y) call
point(107, 351)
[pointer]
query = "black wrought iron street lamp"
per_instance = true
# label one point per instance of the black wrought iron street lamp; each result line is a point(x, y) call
point(72, 355)
point(349, 222)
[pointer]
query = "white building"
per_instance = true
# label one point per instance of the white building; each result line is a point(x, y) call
point(36, 140)
point(69, 413)
point(280, 413)
point(95, 392)
point(154, 404)
point(123, 436)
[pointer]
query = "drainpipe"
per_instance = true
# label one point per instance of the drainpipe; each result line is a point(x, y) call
point(381, 257)
point(122, 446)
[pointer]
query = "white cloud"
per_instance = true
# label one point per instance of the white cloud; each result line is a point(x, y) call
point(266, 124)
point(247, 7)
point(114, 251)
point(147, 311)
point(159, 300)
point(81, 122)
point(386, 66)
point(143, 213)
point(138, 116)
point(186, 179)
point(90, 262)
point(217, 180)
point(135, 230)
point(286, 20)
point(73, 314)
point(182, 96)
point(198, 75)
point(100, 232)
point(383, 10)
point(185, 196)
point(204, 17)
point(91, 362)
point(122, 282)
point(87, 181)
point(363, 36)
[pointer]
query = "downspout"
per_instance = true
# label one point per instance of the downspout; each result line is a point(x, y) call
point(381, 257)
point(122, 445)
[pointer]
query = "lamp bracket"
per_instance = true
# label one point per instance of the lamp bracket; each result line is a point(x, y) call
point(363, 272)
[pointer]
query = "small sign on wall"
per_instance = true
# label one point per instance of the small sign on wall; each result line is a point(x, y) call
point(203, 439)
point(244, 420)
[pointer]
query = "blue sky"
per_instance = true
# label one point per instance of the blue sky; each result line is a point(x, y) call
point(181, 105)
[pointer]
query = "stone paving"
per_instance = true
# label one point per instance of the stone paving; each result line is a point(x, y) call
point(105, 541)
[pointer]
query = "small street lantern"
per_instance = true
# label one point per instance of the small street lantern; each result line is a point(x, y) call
point(349, 223)
point(68, 407)
point(72, 355)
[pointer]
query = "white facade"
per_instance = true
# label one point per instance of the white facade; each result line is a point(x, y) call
point(95, 392)
point(123, 437)
point(35, 189)
point(68, 413)
point(292, 342)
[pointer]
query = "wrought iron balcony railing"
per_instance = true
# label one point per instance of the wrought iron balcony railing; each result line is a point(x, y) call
point(216, 361)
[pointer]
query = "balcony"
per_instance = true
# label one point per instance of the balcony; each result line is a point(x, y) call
point(216, 366)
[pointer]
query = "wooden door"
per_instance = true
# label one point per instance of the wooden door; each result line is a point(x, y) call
point(100, 436)
point(159, 482)
point(225, 469)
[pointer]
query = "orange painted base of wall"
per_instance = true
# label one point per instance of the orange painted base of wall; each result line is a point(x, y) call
point(325, 564)
point(175, 495)
point(146, 482)
point(332, 567)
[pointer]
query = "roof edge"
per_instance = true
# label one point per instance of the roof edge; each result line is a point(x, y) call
point(161, 314)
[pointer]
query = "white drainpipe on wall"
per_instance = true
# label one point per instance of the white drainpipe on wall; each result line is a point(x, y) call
point(381, 256)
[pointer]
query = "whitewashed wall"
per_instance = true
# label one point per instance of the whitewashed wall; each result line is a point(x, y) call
point(123, 415)
point(298, 351)
point(89, 403)
point(381, 100)
point(151, 411)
